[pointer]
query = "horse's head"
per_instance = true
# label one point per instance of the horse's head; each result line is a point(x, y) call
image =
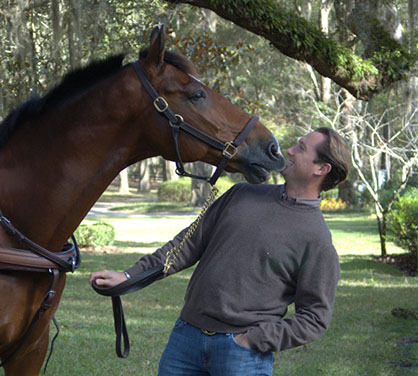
point(174, 78)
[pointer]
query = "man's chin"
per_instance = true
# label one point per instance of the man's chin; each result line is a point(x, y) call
point(285, 171)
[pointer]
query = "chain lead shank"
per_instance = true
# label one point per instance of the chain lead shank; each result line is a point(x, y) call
point(173, 253)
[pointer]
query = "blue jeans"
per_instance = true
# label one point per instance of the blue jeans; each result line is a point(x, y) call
point(191, 352)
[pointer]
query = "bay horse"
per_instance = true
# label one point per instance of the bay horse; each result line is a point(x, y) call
point(59, 153)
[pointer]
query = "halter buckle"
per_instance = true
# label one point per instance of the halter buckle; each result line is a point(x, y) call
point(230, 149)
point(163, 102)
point(73, 264)
point(179, 119)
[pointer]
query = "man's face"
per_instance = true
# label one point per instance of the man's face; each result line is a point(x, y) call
point(301, 166)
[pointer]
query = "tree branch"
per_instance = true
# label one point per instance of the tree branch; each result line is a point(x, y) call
point(297, 38)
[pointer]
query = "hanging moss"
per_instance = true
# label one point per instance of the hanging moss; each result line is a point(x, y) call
point(309, 42)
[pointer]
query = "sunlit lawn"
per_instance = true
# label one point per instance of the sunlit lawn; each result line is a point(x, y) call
point(364, 338)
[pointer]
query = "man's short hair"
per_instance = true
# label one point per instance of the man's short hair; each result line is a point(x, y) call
point(335, 151)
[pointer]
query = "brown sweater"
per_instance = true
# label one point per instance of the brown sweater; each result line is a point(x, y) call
point(258, 253)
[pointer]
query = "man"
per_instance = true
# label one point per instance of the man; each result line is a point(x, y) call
point(260, 248)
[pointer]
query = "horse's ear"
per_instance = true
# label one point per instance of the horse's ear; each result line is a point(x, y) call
point(156, 50)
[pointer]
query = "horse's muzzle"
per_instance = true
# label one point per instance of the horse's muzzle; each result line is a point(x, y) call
point(276, 156)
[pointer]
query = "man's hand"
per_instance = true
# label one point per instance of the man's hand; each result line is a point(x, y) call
point(107, 278)
point(242, 339)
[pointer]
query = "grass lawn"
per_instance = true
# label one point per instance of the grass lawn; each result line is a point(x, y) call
point(364, 339)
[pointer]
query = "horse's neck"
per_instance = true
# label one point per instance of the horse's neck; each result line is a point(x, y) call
point(55, 170)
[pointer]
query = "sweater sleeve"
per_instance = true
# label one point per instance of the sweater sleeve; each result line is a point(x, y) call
point(192, 248)
point(187, 257)
point(314, 300)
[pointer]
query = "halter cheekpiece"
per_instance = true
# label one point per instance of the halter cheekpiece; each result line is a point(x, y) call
point(177, 123)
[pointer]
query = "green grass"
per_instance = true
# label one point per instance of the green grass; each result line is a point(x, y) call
point(364, 339)
point(155, 207)
point(86, 343)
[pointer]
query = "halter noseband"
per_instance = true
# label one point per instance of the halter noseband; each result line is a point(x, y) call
point(229, 149)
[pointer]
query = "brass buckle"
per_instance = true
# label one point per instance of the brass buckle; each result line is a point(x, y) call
point(164, 103)
point(179, 120)
point(230, 149)
point(208, 332)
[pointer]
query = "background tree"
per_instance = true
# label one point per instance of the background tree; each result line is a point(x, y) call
point(372, 149)
point(385, 59)
point(370, 53)
point(338, 50)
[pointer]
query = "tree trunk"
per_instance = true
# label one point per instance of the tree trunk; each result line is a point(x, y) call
point(381, 224)
point(144, 183)
point(346, 189)
point(170, 171)
point(124, 181)
point(210, 20)
point(347, 193)
point(19, 34)
point(56, 32)
point(324, 25)
point(411, 90)
point(200, 188)
point(74, 33)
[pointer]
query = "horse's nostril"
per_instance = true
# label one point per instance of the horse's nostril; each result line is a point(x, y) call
point(274, 151)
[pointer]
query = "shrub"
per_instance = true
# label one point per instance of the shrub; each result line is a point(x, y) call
point(332, 193)
point(330, 204)
point(175, 191)
point(181, 190)
point(403, 221)
point(95, 235)
point(223, 184)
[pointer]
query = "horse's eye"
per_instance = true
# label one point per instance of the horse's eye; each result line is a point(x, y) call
point(198, 96)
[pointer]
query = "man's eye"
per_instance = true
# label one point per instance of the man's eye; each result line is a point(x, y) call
point(198, 96)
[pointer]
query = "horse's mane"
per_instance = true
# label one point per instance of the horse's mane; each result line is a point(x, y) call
point(73, 84)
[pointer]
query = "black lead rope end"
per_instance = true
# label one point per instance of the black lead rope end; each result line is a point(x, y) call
point(120, 328)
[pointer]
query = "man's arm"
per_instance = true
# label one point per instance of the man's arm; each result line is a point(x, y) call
point(314, 301)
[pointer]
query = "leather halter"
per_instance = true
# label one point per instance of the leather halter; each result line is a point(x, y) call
point(37, 259)
point(177, 123)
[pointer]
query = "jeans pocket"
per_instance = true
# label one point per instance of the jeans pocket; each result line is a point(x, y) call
point(239, 345)
point(179, 323)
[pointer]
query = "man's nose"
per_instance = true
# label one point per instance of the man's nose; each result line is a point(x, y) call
point(289, 151)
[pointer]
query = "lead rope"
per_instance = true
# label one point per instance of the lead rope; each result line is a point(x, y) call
point(140, 281)
point(174, 252)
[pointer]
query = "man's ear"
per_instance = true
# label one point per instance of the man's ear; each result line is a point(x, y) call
point(155, 55)
point(323, 169)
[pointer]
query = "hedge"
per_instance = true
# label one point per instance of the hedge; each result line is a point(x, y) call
point(403, 221)
point(98, 234)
